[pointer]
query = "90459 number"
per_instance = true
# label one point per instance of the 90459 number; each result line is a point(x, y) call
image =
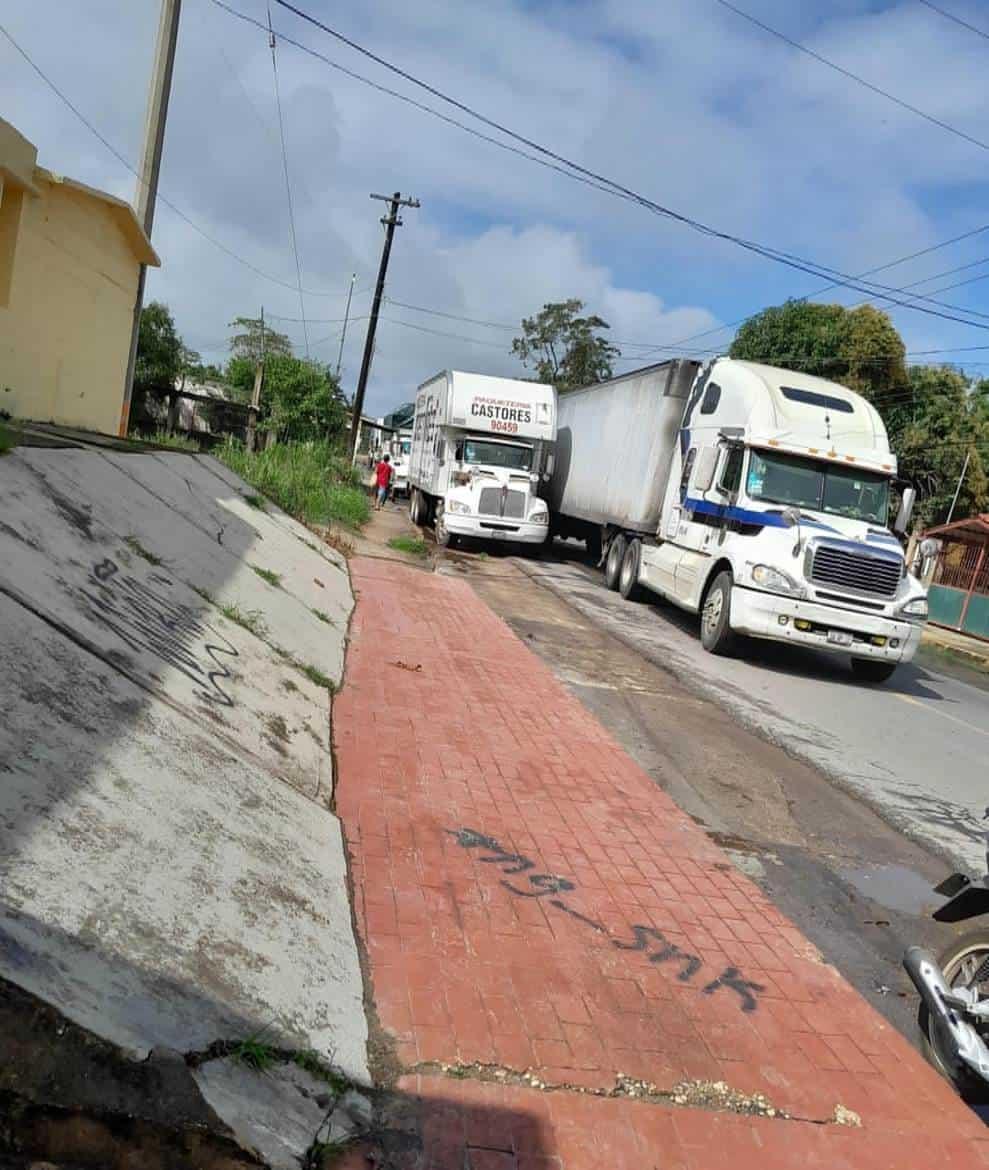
point(498, 425)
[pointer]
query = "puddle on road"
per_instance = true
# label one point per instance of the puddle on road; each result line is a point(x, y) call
point(894, 886)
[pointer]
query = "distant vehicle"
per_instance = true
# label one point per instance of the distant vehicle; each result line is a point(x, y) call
point(480, 446)
point(954, 989)
point(400, 447)
point(755, 496)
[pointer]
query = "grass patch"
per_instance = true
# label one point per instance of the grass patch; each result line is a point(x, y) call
point(314, 482)
point(250, 619)
point(256, 501)
point(324, 617)
point(255, 1053)
point(268, 575)
point(9, 438)
point(413, 545)
point(136, 547)
point(173, 442)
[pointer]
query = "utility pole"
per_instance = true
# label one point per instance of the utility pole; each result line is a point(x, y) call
point(390, 221)
point(147, 183)
point(252, 410)
point(346, 318)
point(951, 510)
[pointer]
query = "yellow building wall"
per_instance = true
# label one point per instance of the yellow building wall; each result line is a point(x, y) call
point(65, 329)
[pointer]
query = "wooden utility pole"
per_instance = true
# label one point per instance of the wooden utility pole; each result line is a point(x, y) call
point(390, 221)
point(254, 408)
point(147, 183)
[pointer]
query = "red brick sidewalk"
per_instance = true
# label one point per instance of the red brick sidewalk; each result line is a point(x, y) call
point(531, 902)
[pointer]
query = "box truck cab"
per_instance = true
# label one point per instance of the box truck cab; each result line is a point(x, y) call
point(480, 446)
point(759, 498)
point(400, 447)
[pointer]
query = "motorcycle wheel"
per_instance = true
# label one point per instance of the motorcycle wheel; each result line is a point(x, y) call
point(964, 964)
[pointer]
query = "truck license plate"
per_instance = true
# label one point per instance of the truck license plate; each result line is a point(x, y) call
point(839, 638)
point(497, 534)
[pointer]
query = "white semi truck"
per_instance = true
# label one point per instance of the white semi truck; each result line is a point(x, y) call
point(400, 446)
point(480, 446)
point(755, 496)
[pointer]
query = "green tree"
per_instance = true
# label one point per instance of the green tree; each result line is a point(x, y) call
point(563, 348)
point(859, 348)
point(254, 339)
point(932, 429)
point(157, 365)
point(301, 399)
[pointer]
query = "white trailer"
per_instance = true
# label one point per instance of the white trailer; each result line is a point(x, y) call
point(755, 496)
point(480, 446)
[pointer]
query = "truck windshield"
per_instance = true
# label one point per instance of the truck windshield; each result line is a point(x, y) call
point(842, 491)
point(497, 454)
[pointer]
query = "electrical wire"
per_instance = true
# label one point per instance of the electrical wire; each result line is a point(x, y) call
point(579, 173)
point(288, 182)
point(133, 170)
point(848, 73)
point(956, 19)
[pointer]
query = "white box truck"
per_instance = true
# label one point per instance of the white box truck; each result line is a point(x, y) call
point(755, 496)
point(480, 446)
point(400, 446)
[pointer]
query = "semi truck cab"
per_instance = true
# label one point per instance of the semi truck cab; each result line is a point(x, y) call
point(775, 519)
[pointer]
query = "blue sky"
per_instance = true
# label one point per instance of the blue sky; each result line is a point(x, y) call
point(683, 100)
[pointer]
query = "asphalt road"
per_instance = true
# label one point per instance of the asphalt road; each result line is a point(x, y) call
point(915, 748)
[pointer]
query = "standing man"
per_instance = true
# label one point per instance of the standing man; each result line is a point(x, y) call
point(383, 474)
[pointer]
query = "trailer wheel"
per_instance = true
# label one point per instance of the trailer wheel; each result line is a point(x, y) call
point(716, 633)
point(613, 565)
point(628, 582)
point(414, 506)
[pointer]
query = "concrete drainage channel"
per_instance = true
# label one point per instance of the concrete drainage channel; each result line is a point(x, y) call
point(172, 876)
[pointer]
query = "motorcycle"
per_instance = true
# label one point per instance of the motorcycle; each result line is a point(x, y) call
point(954, 988)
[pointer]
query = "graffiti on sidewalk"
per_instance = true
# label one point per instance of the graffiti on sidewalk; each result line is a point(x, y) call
point(645, 939)
point(144, 617)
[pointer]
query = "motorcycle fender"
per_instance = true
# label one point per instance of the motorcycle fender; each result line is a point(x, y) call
point(972, 901)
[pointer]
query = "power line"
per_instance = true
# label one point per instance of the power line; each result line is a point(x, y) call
point(288, 182)
point(580, 173)
point(847, 73)
point(133, 170)
point(440, 333)
point(956, 19)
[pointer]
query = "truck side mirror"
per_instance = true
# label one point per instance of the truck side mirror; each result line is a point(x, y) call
point(707, 462)
point(907, 501)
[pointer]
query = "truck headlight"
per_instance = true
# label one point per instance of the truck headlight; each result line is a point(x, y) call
point(539, 516)
point(915, 609)
point(776, 581)
point(458, 507)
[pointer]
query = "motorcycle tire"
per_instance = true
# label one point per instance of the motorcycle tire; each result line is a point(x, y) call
point(969, 1086)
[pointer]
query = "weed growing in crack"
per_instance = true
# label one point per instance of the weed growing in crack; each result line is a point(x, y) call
point(315, 675)
point(289, 685)
point(256, 501)
point(255, 1053)
point(136, 547)
point(314, 1064)
point(250, 619)
point(268, 575)
point(324, 617)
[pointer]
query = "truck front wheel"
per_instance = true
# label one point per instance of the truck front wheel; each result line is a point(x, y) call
point(716, 633)
point(872, 670)
point(613, 565)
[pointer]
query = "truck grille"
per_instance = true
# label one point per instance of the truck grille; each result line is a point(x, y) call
point(495, 501)
point(861, 571)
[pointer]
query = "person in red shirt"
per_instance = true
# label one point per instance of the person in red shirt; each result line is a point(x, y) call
point(383, 473)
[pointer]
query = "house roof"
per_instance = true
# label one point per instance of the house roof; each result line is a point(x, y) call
point(971, 528)
point(122, 212)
